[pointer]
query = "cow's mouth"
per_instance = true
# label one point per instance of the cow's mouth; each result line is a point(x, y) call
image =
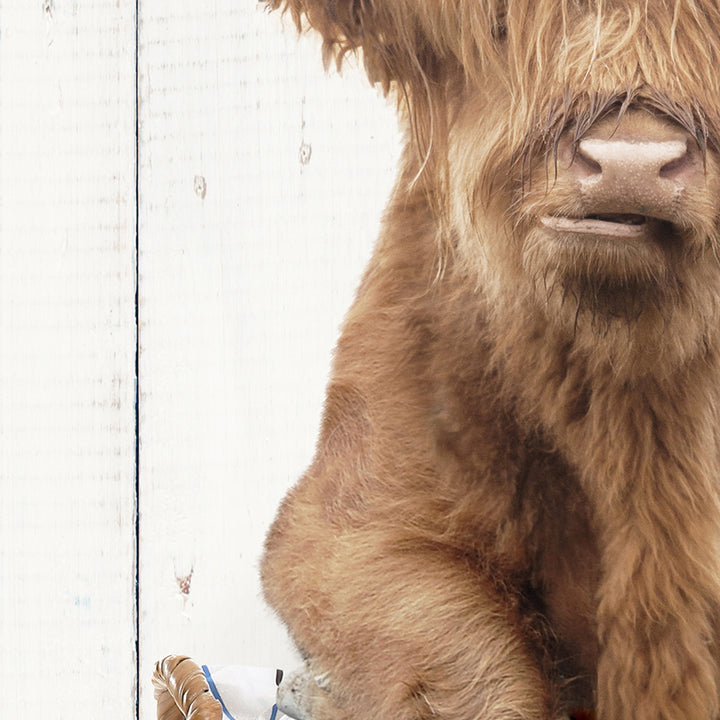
point(622, 218)
point(607, 224)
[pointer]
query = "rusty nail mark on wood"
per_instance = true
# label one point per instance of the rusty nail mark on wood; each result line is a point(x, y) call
point(184, 582)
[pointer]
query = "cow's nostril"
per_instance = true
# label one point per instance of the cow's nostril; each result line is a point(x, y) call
point(678, 166)
point(584, 164)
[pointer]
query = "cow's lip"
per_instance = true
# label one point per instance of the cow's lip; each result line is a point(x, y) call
point(619, 225)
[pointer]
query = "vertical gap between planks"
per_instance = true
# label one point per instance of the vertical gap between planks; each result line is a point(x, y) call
point(137, 359)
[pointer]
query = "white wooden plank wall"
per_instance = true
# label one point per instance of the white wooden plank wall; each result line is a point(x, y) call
point(67, 356)
point(245, 276)
point(261, 184)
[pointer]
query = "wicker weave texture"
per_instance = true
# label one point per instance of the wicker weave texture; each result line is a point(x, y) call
point(182, 691)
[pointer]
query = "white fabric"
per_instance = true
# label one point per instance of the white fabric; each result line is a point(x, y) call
point(246, 693)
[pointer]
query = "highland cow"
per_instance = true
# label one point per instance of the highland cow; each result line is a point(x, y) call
point(514, 507)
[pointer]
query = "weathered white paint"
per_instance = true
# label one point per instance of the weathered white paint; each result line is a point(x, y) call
point(262, 185)
point(67, 338)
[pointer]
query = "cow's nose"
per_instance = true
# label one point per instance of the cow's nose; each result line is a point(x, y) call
point(636, 175)
point(642, 161)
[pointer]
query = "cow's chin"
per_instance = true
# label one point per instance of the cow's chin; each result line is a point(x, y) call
point(602, 273)
point(619, 294)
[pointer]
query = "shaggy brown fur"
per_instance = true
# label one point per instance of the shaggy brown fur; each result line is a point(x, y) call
point(514, 508)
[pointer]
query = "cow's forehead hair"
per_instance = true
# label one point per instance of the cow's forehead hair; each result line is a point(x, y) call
point(570, 61)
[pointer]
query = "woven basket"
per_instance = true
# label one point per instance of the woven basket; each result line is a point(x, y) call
point(182, 691)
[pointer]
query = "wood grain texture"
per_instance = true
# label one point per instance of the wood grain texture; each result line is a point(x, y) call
point(262, 185)
point(67, 337)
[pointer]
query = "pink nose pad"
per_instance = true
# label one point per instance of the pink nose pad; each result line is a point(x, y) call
point(633, 175)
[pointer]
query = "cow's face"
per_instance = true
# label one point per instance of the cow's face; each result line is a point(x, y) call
point(569, 149)
point(584, 174)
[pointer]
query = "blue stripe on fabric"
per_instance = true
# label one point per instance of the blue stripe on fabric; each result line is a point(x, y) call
point(214, 691)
